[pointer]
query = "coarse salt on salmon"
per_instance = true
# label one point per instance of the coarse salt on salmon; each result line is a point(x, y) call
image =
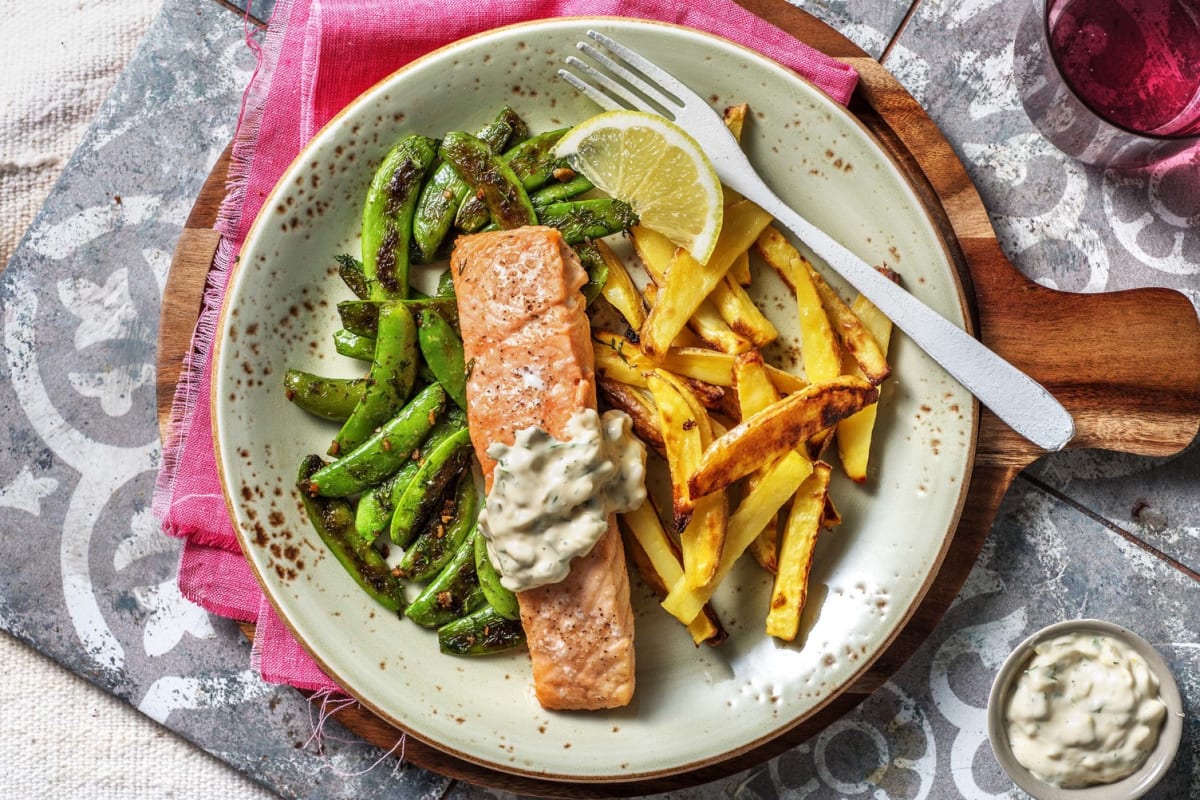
point(528, 343)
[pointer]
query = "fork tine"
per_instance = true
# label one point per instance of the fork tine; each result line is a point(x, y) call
point(591, 92)
point(636, 81)
point(647, 67)
point(612, 89)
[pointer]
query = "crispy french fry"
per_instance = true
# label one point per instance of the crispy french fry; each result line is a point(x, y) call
point(640, 409)
point(619, 359)
point(795, 554)
point(688, 282)
point(682, 439)
point(716, 367)
point(741, 314)
point(740, 270)
point(702, 536)
point(657, 559)
point(854, 432)
point(853, 334)
point(781, 427)
point(818, 345)
point(705, 327)
point(684, 601)
point(619, 289)
point(735, 120)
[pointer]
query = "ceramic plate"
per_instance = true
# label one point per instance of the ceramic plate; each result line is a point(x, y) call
point(693, 707)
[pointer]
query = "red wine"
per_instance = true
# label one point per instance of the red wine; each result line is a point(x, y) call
point(1134, 62)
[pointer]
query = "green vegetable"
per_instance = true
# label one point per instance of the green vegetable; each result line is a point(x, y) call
point(444, 533)
point(328, 398)
point(390, 381)
point(445, 191)
point(490, 178)
point(532, 163)
point(597, 270)
point(483, 632)
point(385, 451)
point(501, 599)
point(558, 191)
point(441, 459)
point(581, 220)
point(442, 348)
point(354, 346)
point(350, 270)
point(334, 522)
point(445, 287)
point(388, 214)
point(375, 506)
point(453, 592)
point(362, 316)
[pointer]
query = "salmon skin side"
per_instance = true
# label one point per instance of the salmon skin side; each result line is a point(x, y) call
point(527, 340)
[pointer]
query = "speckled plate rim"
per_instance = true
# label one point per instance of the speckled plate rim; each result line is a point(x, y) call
point(1128, 788)
point(880, 645)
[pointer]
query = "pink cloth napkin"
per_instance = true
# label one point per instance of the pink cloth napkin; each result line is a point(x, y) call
point(319, 55)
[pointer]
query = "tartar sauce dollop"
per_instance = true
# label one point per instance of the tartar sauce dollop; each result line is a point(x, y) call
point(1085, 711)
point(551, 499)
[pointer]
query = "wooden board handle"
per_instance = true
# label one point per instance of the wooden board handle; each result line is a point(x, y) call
point(1125, 364)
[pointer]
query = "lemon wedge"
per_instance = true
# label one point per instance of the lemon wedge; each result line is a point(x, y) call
point(655, 166)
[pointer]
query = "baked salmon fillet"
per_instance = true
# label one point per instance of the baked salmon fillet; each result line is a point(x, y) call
point(527, 340)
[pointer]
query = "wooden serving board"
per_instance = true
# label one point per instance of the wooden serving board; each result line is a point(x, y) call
point(1125, 364)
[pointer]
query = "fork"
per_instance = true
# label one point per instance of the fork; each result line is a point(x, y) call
point(1013, 396)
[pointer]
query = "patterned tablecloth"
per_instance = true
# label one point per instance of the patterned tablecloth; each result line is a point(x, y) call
point(89, 581)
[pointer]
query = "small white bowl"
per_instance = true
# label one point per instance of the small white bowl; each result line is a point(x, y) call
point(1128, 788)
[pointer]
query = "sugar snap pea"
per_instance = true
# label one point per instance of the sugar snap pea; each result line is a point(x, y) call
point(390, 381)
point(445, 287)
point(480, 633)
point(445, 191)
point(581, 220)
point(532, 163)
point(350, 270)
point(443, 456)
point(490, 178)
point(442, 348)
point(385, 451)
point(354, 346)
point(328, 398)
point(558, 191)
point(500, 598)
point(362, 316)
point(387, 216)
point(444, 533)
point(596, 266)
point(373, 514)
point(453, 592)
point(333, 520)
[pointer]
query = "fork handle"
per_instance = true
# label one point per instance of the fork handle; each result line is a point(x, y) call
point(1021, 402)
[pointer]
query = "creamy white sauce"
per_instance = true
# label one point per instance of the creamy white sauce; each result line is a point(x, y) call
point(1085, 711)
point(551, 499)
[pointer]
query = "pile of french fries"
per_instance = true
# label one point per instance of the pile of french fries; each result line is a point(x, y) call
point(743, 441)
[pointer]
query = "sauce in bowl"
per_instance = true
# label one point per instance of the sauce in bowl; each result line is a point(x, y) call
point(1085, 710)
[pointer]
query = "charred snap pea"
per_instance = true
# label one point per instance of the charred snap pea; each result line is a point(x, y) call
point(445, 191)
point(334, 523)
point(581, 220)
point(328, 398)
point(480, 633)
point(453, 592)
point(350, 270)
point(362, 316)
point(445, 287)
point(444, 533)
point(442, 457)
point(388, 213)
point(381, 455)
point(501, 599)
point(558, 191)
point(490, 178)
point(596, 266)
point(442, 348)
point(375, 505)
point(390, 381)
point(532, 163)
point(354, 346)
